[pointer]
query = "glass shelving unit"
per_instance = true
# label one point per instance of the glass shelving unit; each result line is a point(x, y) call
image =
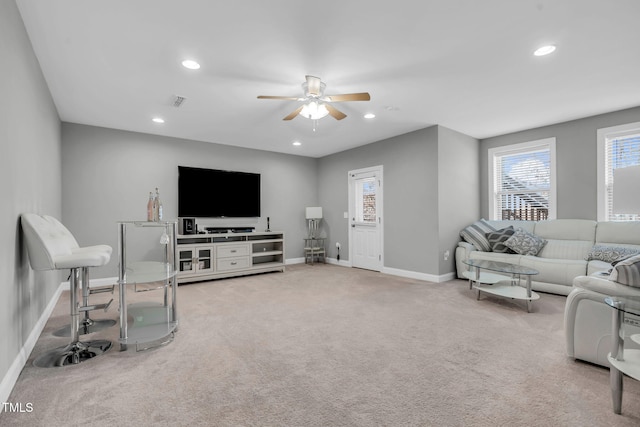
point(145, 323)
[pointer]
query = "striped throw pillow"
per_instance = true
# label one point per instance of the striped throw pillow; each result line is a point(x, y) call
point(476, 235)
point(627, 272)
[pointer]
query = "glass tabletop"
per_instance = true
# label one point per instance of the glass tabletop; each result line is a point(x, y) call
point(628, 304)
point(502, 267)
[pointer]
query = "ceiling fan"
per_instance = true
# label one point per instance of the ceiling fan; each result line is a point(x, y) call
point(316, 103)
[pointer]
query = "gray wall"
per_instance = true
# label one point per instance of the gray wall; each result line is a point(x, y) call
point(576, 154)
point(412, 175)
point(458, 190)
point(30, 182)
point(107, 175)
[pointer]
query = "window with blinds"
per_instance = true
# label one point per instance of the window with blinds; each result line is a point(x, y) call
point(522, 181)
point(620, 151)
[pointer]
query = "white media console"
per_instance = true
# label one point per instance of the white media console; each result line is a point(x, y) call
point(219, 255)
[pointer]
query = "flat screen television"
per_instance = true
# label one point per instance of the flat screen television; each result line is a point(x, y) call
point(212, 193)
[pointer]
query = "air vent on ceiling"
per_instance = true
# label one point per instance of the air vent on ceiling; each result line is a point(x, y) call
point(178, 100)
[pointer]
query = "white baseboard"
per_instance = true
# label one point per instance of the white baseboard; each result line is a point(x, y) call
point(10, 378)
point(391, 271)
point(340, 263)
point(329, 261)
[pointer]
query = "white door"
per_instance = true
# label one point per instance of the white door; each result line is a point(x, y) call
point(365, 218)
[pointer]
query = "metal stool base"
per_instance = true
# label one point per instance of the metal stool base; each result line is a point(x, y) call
point(72, 354)
point(86, 327)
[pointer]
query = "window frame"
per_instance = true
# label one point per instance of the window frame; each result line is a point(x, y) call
point(604, 134)
point(523, 147)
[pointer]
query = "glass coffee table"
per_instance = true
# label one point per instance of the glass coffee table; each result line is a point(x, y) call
point(482, 276)
point(626, 312)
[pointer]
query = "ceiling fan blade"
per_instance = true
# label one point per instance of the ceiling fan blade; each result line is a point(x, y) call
point(295, 113)
point(335, 113)
point(286, 98)
point(313, 85)
point(363, 96)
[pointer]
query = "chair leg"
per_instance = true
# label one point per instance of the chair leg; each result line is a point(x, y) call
point(76, 351)
point(87, 325)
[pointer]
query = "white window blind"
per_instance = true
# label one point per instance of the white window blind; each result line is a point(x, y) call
point(522, 183)
point(621, 151)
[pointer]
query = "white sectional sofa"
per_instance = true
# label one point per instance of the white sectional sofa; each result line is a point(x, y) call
point(562, 258)
point(565, 269)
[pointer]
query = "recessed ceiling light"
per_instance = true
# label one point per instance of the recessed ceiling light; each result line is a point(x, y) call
point(544, 50)
point(158, 119)
point(297, 143)
point(190, 64)
point(369, 116)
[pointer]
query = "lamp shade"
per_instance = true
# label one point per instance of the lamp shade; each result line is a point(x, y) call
point(314, 110)
point(626, 190)
point(314, 212)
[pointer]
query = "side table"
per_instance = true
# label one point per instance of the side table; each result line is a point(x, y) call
point(314, 249)
point(148, 322)
point(626, 311)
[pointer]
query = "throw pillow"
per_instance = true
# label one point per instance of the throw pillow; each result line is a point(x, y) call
point(610, 253)
point(497, 238)
point(627, 272)
point(476, 234)
point(525, 243)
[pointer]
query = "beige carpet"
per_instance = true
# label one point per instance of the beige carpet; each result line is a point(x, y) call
point(331, 346)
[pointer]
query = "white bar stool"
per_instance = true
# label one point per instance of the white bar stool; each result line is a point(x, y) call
point(49, 249)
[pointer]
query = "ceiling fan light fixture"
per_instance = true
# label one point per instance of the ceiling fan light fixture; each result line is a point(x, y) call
point(314, 110)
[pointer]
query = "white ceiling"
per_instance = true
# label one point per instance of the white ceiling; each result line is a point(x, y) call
point(464, 64)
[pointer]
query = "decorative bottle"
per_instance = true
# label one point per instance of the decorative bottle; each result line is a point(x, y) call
point(150, 207)
point(157, 206)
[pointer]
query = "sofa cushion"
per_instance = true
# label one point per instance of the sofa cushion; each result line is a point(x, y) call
point(476, 234)
point(565, 249)
point(627, 272)
point(496, 256)
point(611, 253)
point(497, 238)
point(525, 243)
point(556, 271)
point(567, 229)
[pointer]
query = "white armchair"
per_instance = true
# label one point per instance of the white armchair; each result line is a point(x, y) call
point(587, 319)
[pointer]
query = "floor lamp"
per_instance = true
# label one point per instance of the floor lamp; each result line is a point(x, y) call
point(626, 190)
point(314, 215)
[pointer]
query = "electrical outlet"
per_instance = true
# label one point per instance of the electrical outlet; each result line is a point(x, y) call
point(446, 255)
point(338, 245)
